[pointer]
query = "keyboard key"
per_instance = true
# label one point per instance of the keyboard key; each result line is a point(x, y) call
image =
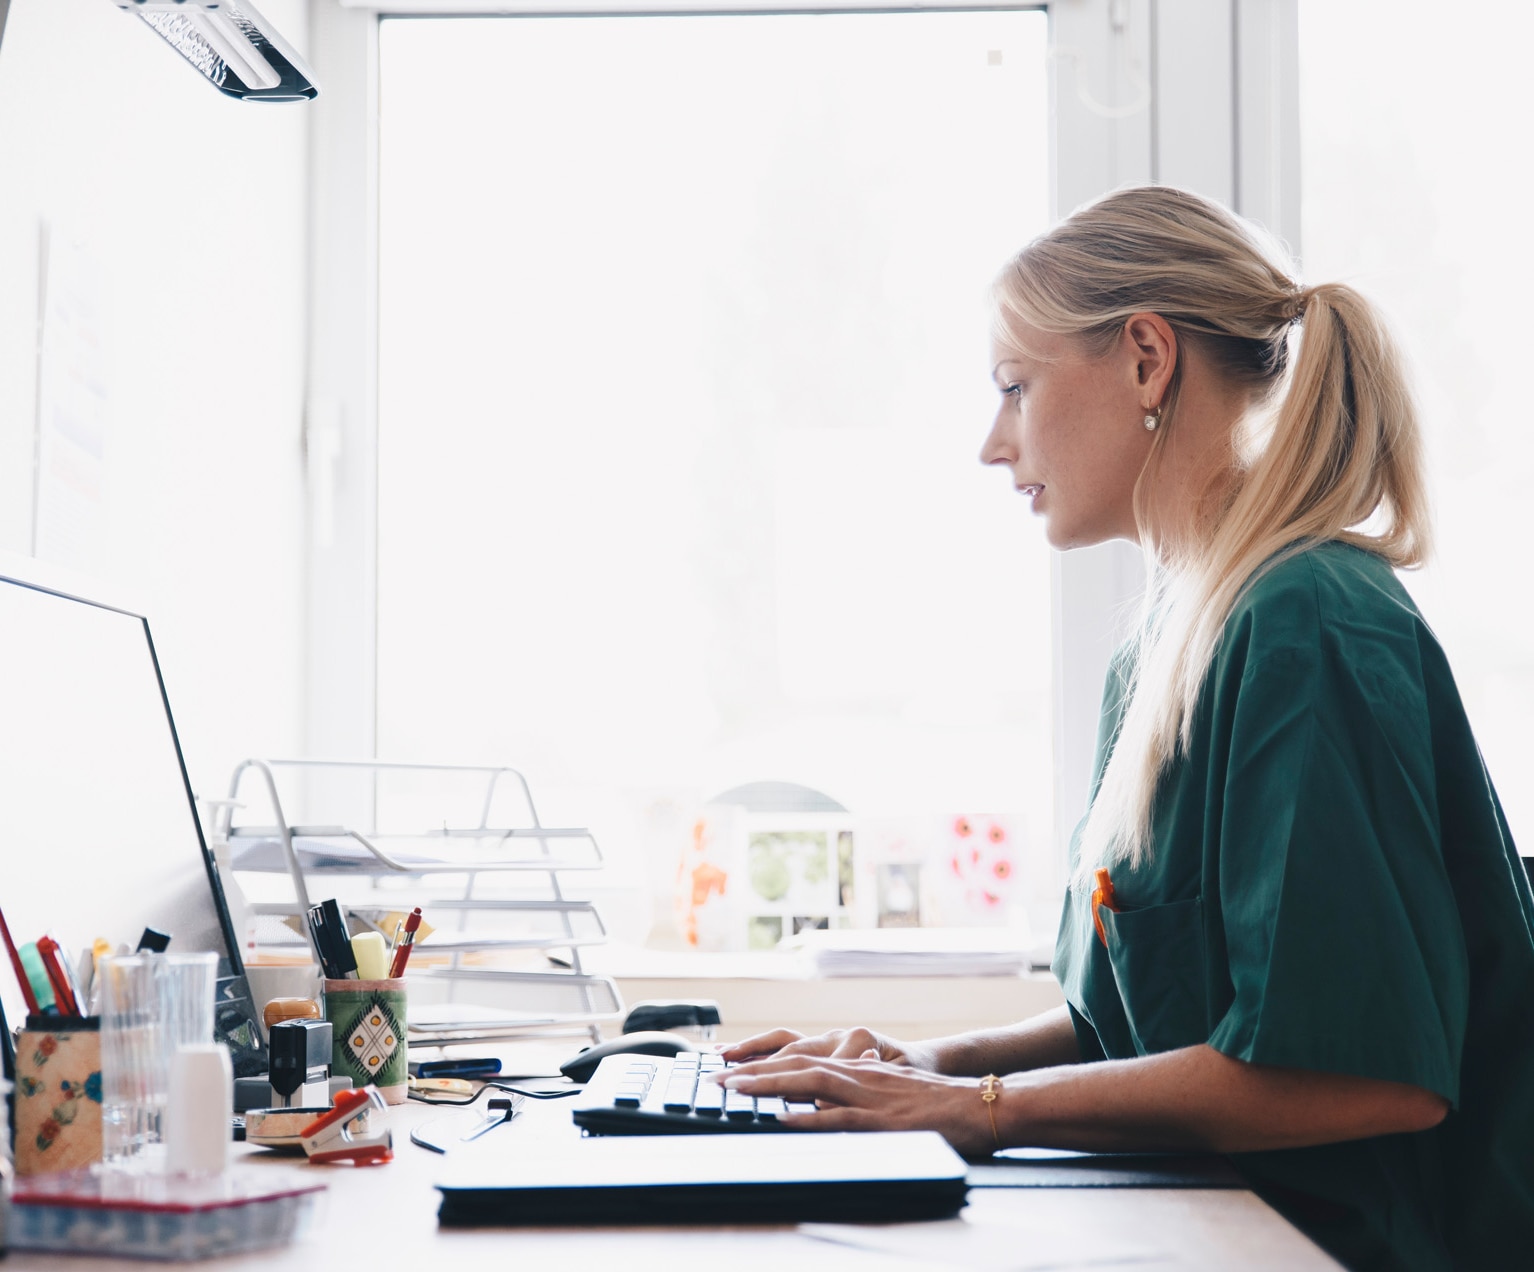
point(710, 1100)
point(739, 1107)
point(680, 1091)
point(627, 1100)
point(770, 1107)
point(796, 1106)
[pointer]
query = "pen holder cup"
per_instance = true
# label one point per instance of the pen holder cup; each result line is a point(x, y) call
point(368, 1025)
point(58, 1095)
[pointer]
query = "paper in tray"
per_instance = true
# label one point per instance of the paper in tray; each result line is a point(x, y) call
point(101, 1211)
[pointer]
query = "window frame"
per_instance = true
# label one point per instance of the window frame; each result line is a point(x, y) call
point(1198, 93)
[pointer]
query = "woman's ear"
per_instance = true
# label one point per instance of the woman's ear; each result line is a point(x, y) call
point(1153, 345)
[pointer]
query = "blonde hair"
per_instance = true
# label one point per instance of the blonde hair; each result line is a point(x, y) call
point(1334, 454)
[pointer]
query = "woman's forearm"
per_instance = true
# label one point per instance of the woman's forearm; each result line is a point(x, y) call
point(1197, 1099)
point(1040, 1042)
point(1194, 1099)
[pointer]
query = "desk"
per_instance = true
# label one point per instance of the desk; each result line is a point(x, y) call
point(386, 1217)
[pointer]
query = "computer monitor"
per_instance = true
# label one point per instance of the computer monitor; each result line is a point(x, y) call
point(99, 835)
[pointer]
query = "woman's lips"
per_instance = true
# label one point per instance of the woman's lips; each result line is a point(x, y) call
point(1033, 490)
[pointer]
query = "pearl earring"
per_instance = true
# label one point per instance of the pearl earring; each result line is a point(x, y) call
point(1152, 419)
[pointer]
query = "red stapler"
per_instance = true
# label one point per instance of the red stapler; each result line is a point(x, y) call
point(337, 1137)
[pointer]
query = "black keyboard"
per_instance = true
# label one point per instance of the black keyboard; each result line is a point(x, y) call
point(659, 1095)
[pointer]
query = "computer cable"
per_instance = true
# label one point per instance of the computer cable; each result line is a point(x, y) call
point(558, 1094)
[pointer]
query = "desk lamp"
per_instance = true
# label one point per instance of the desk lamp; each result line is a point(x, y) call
point(237, 49)
point(231, 44)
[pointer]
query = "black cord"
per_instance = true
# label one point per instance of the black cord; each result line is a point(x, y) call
point(498, 1086)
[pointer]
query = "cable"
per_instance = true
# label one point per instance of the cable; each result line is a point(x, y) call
point(499, 1086)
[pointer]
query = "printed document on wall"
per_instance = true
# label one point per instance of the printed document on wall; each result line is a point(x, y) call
point(73, 407)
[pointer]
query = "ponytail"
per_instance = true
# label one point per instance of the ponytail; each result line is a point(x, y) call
point(1335, 453)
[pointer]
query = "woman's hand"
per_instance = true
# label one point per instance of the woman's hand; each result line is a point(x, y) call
point(869, 1094)
point(838, 1044)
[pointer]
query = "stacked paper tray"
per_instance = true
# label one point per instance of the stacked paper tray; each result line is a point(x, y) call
point(95, 1211)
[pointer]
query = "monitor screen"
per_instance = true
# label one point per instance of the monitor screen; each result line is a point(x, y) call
point(98, 830)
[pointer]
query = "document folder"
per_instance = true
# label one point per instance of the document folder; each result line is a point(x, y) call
point(822, 1177)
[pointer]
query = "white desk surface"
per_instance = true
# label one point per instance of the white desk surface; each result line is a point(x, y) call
point(387, 1216)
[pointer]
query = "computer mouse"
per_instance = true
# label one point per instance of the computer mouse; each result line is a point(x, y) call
point(646, 1042)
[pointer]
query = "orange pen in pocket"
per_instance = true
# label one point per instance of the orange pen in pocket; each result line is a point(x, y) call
point(1103, 895)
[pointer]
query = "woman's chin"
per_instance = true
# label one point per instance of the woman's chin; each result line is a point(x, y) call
point(1065, 537)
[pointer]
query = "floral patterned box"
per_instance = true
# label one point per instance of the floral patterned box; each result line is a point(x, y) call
point(58, 1097)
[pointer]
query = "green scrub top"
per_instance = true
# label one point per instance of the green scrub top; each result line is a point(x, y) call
point(1332, 886)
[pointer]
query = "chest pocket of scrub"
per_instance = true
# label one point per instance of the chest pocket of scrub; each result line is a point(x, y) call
point(1157, 955)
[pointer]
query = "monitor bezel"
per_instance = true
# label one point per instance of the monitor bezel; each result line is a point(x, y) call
point(9, 574)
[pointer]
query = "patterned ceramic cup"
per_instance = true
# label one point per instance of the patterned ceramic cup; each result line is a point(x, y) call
point(58, 1096)
point(368, 1018)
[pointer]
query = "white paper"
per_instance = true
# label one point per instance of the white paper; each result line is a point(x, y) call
point(987, 1247)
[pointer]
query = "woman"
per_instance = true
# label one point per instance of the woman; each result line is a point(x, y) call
point(1297, 931)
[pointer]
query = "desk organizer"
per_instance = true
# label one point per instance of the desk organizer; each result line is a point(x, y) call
point(142, 1216)
point(58, 1095)
point(463, 842)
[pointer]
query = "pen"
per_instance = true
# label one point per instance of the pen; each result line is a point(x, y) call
point(100, 948)
point(407, 943)
point(37, 977)
point(314, 917)
point(1103, 897)
point(57, 967)
point(21, 972)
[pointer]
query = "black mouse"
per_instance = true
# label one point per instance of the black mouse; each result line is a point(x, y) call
point(646, 1042)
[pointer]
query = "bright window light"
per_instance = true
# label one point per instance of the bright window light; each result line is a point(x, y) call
point(684, 376)
point(1420, 198)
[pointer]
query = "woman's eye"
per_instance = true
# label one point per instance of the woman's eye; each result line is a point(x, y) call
point(1011, 390)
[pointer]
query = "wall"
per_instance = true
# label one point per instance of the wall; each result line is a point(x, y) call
point(191, 209)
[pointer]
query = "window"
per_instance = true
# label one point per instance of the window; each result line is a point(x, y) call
point(1414, 192)
point(683, 377)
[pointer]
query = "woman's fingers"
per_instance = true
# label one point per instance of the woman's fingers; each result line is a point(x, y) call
point(841, 1082)
point(769, 1043)
point(833, 1118)
point(855, 1043)
point(867, 1093)
point(842, 1044)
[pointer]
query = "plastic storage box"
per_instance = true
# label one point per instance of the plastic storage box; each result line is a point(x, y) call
point(96, 1211)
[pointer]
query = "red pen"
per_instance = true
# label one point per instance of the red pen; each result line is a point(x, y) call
point(402, 950)
point(1103, 897)
point(21, 972)
point(57, 967)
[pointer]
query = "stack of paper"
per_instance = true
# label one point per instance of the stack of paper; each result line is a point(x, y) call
point(918, 952)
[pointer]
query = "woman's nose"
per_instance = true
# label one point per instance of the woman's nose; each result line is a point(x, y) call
point(997, 449)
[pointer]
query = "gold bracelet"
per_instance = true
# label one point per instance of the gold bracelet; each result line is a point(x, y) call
point(990, 1089)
